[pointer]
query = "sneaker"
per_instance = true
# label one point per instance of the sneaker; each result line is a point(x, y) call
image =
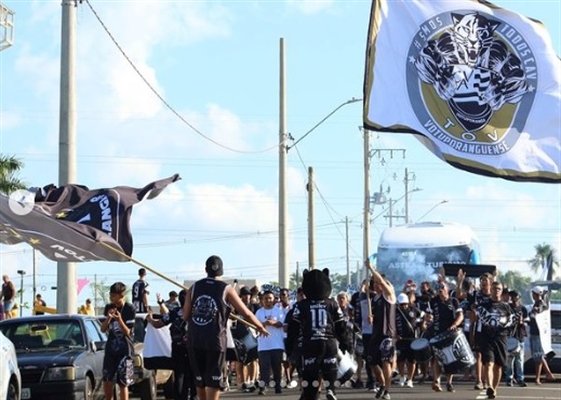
point(450, 388)
point(402, 381)
point(409, 383)
point(386, 395)
point(509, 383)
point(278, 390)
point(478, 386)
point(490, 393)
point(262, 392)
point(522, 384)
point(358, 385)
point(329, 395)
point(436, 387)
point(380, 392)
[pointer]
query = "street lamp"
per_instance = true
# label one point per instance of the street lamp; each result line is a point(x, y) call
point(21, 273)
point(350, 101)
point(432, 208)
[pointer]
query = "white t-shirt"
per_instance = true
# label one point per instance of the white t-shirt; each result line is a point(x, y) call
point(275, 339)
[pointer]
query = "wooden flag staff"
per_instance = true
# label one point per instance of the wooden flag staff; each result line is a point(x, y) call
point(167, 278)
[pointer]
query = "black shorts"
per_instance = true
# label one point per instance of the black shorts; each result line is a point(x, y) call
point(207, 367)
point(118, 369)
point(493, 349)
point(404, 351)
point(381, 350)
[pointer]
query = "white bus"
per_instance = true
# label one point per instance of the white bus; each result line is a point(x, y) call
point(418, 251)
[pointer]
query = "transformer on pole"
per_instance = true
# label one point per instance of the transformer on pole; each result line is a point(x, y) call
point(6, 27)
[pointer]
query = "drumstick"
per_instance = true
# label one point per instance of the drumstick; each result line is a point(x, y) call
point(243, 321)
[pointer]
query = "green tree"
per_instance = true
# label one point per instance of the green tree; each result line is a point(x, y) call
point(10, 167)
point(514, 280)
point(542, 252)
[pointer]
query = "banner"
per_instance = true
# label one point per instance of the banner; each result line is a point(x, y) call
point(479, 85)
point(67, 223)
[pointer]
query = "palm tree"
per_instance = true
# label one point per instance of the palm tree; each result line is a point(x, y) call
point(9, 168)
point(542, 253)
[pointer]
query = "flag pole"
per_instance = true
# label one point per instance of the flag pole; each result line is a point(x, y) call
point(167, 278)
point(124, 255)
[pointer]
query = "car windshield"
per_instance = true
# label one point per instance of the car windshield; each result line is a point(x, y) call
point(31, 335)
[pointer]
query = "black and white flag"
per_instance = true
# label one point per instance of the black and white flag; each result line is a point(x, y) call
point(68, 223)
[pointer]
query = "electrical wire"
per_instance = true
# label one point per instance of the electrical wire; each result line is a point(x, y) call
point(164, 101)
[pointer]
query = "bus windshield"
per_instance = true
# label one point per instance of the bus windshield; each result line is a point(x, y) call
point(401, 264)
point(418, 251)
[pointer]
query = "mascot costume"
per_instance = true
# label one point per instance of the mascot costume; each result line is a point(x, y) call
point(321, 325)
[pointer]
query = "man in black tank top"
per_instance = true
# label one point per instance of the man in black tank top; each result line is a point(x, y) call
point(206, 310)
point(381, 354)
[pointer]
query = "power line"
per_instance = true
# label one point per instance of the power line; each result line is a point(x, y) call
point(161, 98)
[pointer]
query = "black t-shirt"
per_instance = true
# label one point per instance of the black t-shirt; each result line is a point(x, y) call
point(116, 342)
point(384, 318)
point(518, 330)
point(139, 289)
point(538, 307)
point(354, 306)
point(177, 326)
point(444, 313)
point(318, 319)
point(209, 315)
point(406, 322)
point(496, 317)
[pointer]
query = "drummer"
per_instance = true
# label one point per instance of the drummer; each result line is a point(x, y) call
point(248, 372)
point(406, 325)
point(445, 314)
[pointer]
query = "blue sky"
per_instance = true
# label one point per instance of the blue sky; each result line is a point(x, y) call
point(216, 64)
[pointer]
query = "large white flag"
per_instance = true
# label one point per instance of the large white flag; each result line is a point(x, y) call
point(478, 84)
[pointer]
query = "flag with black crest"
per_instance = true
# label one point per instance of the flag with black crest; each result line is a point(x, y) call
point(68, 223)
point(477, 84)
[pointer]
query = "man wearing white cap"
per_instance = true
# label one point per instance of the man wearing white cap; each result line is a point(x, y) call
point(535, 341)
point(407, 319)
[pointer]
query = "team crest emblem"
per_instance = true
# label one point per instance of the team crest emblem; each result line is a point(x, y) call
point(471, 81)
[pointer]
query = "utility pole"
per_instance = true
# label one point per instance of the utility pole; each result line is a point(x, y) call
point(406, 181)
point(347, 251)
point(34, 252)
point(66, 271)
point(283, 149)
point(311, 233)
point(297, 274)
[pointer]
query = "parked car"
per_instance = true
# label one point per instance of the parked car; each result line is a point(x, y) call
point(59, 356)
point(10, 378)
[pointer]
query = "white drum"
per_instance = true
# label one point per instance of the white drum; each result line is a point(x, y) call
point(346, 366)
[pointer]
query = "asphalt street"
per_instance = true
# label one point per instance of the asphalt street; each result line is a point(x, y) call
point(464, 391)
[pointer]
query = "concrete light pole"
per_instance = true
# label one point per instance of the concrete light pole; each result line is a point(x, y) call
point(66, 271)
point(21, 273)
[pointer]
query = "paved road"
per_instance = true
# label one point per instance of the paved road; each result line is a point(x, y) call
point(464, 391)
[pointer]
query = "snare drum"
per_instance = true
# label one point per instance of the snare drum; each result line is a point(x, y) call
point(512, 345)
point(421, 350)
point(346, 366)
point(451, 349)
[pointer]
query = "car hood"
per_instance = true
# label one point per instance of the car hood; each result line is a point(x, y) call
point(52, 357)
